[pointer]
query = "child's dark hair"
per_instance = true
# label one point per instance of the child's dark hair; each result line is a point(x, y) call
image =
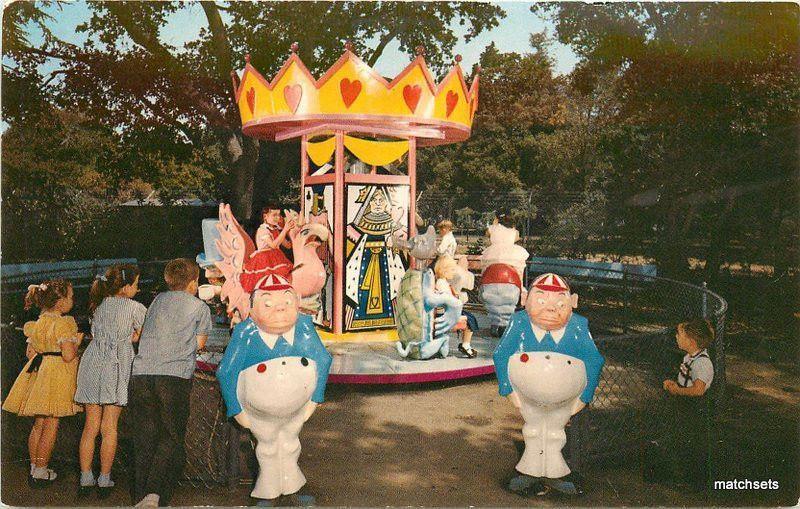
point(701, 332)
point(110, 283)
point(180, 272)
point(506, 220)
point(45, 295)
point(270, 206)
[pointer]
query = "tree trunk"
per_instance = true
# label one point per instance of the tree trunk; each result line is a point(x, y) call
point(672, 249)
point(241, 155)
point(718, 243)
point(278, 169)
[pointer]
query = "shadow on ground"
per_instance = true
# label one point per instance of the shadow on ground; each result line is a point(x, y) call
point(456, 444)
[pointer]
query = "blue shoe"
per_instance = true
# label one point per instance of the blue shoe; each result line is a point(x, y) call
point(527, 485)
point(301, 500)
point(568, 485)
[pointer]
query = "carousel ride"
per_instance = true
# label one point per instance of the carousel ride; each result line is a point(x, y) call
point(353, 239)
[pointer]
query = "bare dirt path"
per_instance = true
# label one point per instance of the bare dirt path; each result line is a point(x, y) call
point(455, 445)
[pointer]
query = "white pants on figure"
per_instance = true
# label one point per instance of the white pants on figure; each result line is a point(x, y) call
point(275, 398)
point(547, 384)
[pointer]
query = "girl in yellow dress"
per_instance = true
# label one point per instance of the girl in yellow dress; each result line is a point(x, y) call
point(46, 386)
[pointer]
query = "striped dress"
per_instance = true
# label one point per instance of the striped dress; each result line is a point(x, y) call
point(105, 368)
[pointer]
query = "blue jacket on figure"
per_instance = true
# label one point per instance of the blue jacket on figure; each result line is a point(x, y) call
point(247, 349)
point(576, 342)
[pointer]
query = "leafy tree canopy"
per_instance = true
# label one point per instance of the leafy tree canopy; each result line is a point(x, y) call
point(126, 76)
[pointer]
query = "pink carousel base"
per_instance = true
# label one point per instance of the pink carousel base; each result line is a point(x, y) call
point(379, 363)
point(364, 361)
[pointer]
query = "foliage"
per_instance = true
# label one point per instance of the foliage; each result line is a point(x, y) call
point(476, 248)
point(707, 102)
point(129, 78)
point(63, 177)
point(673, 138)
point(519, 98)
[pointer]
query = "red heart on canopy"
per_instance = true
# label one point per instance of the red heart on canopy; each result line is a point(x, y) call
point(452, 100)
point(251, 99)
point(411, 94)
point(292, 95)
point(349, 90)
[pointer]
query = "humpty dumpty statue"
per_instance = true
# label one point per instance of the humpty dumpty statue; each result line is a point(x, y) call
point(549, 367)
point(273, 375)
point(503, 265)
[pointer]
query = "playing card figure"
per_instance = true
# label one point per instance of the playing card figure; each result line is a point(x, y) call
point(272, 376)
point(549, 366)
point(373, 270)
point(503, 264)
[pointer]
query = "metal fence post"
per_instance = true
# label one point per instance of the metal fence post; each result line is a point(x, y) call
point(704, 305)
point(625, 301)
point(715, 398)
point(233, 472)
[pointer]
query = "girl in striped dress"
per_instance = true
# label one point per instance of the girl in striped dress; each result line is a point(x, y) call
point(105, 368)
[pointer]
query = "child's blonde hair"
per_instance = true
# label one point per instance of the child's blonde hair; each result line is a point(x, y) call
point(444, 223)
point(45, 295)
point(110, 283)
point(701, 332)
point(443, 263)
point(180, 272)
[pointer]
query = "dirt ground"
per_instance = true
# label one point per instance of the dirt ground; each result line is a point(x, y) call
point(456, 444)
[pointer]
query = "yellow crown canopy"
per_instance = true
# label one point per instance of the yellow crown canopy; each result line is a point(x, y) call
point(354, 96)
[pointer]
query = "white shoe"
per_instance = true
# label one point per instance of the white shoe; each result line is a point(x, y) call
point(149, 500)
point(44, 474)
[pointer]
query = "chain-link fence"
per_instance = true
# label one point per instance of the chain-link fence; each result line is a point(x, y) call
point(212, 444)
point(211, 447)
point(632, 318)
point(589, 223)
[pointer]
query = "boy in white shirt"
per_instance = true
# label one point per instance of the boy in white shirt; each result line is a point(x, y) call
point(687, 408)
point(447, 246)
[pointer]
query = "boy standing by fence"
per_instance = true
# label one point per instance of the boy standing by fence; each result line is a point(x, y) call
point(687, 406)
point(175, 327)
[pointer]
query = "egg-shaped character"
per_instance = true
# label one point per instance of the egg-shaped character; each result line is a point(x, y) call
point(279, 387)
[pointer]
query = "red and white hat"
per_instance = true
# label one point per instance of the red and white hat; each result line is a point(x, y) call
point(550, 283)
point(272, 283)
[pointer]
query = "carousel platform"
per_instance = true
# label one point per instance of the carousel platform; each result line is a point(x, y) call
point(379, 363)
point(364, 361)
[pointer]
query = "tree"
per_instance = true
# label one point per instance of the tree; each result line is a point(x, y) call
point(127, 77)
point(54, 183)
point(708, 97)
point(520, 97)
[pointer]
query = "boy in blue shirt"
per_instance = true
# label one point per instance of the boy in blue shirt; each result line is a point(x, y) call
point(177, 324)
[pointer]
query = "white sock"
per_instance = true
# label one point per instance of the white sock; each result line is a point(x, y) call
point(87, 478)
point(43, 473)
point(33, 467)
point(104, 481)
